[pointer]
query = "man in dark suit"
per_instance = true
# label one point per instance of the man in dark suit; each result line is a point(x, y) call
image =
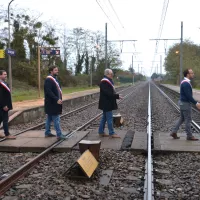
point(186, 99)
point(107, 103)
point(5, 104)
point(53, 103)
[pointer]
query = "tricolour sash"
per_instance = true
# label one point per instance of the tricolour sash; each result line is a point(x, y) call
point(5, 86)
point(57, 85)
point(108, 81)
point(183, 81)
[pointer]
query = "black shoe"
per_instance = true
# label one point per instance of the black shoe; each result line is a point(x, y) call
point(50, 135)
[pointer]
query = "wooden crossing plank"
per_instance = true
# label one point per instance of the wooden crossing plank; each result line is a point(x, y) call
point(71, 142)
point(163, 142)
point(139, 141)
point(37, 144)
point(32, 134)
point(107, 142)
point(13, 145)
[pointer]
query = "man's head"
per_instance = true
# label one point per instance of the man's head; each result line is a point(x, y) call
point(53, 70)
point(188, 73)
point(3, 75)
point(108, 73)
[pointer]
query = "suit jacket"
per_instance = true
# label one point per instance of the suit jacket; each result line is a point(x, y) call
point(5, 97)
point(52, 95)
point(107, 99)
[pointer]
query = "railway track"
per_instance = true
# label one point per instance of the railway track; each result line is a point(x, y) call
point(6, 183)
point(175, 97)
point(158, 171)
point(65, 115)
point(175, 174)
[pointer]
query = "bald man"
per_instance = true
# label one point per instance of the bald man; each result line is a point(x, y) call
point(107, 103)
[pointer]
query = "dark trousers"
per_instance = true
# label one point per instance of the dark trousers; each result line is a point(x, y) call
point(4, 119)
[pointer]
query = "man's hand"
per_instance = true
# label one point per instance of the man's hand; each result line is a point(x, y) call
point(198, 105)
point(120, 97)
point(5, 108)
point(59, 101)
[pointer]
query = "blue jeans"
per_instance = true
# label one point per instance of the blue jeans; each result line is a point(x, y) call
point(56, 121)
point(107, 116)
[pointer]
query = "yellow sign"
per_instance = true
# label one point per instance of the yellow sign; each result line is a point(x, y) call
point(88, 163)
point(2, 53)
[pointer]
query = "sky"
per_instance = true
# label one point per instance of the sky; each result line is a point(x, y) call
point(140, 20)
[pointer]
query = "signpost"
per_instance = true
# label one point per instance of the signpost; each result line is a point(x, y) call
point(2, 53)
point(49, 52)
point(88, 163)
point(10, 52)
point(45, 51)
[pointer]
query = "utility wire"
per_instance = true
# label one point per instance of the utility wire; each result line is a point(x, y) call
point(162, 21)
point(106, 15)
point(116, 14)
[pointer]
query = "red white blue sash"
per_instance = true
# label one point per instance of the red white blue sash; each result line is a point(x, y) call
point(183, 81)
point(58, 86)
point(108, 81)
point(5, 86)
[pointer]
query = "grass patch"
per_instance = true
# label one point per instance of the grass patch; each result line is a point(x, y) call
point(197, 88)
point(20, 94)
point(22, 91)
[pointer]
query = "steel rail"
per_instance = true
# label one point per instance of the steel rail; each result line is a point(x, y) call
point(178, 94)
point(194, 124)
point(148, 185)
point(6, 183)
point(63, 115)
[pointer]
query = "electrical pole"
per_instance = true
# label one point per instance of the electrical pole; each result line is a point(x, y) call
point(181, 52)
point(9, 56)
point(39, 89)
point(132, 69)
point(65, 49)
point(161, 64)
point(91, 65)
point(106, 59)
point(138, 68)
point(97, 50)
point(157, 69)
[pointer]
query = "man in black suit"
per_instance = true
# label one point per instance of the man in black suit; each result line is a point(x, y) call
point(107, 103)
point(5, 104)
point(53, 103)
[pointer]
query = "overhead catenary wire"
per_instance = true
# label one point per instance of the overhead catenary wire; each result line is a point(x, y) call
point(106, 15)
point(116, 14)
point(102, 6)
point(162, 21)
point(120, 22)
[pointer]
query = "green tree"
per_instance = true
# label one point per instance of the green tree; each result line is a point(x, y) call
point(191, 59)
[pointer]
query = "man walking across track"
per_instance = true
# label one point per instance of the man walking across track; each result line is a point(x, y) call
point(185, 101)
point(107, 103)
point(5, 104)
point(53, 103)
